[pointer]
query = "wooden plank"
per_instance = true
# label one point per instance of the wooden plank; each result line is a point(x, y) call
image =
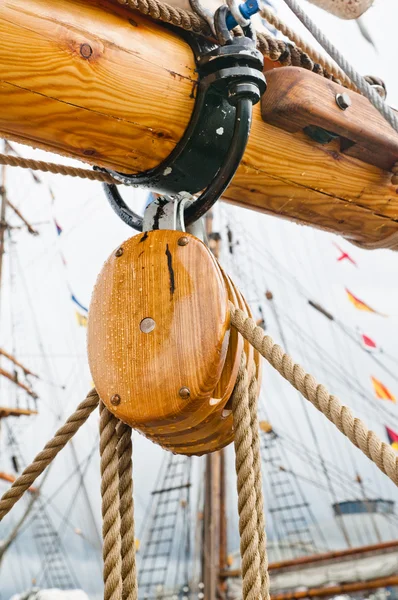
point(14, 379)
point(129, 102)
point(344, 588)
point(6, 411)
point(11, 478)
point(298, 99)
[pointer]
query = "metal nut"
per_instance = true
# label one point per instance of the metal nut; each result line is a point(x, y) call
point(147, 325)
point(343, 101)
point(183, 241)
point(115, 399)
point(119, 251)
point(184, 393)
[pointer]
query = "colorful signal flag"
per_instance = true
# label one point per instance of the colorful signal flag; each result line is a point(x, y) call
point(381, 391)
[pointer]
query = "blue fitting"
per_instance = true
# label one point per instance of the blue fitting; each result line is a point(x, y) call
point(247, 9)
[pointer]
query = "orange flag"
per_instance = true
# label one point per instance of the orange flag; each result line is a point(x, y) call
point(360, 305)
point(381, 391)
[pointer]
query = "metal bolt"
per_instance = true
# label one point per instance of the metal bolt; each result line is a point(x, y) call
point(184, 393)
point(343, 101)
point(115, 399)
point(86, 50)
point(119, 251)
point(147, 325)
point(183, 241)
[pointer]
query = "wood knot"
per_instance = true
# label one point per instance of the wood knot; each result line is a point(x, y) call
point(86, 51)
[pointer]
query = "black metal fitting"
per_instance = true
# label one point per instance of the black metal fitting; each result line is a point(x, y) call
point(207, 156)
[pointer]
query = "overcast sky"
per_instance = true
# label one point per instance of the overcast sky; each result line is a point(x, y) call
point(45, 336)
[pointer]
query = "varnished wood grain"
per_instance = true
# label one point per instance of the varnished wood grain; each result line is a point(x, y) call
point(297, 99)
point(156, 277)
point(219, 397)
point(128, 104)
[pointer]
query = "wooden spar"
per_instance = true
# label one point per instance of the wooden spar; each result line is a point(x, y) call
point(12, 378)
point(6, 411)
point(344, 588)
point(94, 81)
point(16, 362)
point(373, 549)
point(11, 478)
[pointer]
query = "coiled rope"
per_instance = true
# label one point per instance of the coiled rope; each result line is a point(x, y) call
point(120, 578)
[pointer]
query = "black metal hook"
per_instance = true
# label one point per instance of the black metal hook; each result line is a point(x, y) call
point(210, 151)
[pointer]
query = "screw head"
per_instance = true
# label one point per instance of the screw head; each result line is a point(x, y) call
point(147, 325)
point(343, 101)
point(119, 251)
point(86, 51)
point(184, 393)
point(115, 400)
point(183, 241)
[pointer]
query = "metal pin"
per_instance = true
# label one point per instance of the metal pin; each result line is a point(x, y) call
point(184, 393)
point(115, 399)
point(183, 241)
point(343, 101)
point(147, 325)
point(119, 251)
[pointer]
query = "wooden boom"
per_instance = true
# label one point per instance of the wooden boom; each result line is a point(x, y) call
point(92, 80)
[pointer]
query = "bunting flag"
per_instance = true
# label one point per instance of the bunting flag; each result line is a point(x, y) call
point(76, 301)
point(367, 341)
point(344, 256)
point(81, 319)
point(360, 305)
point(381, 391)
point(58, 227)
point(392, 438)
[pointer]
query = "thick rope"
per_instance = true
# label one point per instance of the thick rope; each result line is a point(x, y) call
point(112, 547)
point(275, 50)
point(50, 451)
point(328, 66)
point(129, 572)
point(364, 87)
point(47, 167)
point(247, 496)
point(253, 403)
point(355, 429)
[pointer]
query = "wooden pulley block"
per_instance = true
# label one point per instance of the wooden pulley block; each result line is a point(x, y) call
point(158, 332)
point(217, 431)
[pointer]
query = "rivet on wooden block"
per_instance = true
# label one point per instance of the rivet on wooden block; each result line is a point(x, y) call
point(184, 393)
point(119, 252)
point(115, 399)
point(147, 325)
point(183, 241)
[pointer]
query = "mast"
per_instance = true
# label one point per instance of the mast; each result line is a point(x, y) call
point(3, 224)
point(214, 517)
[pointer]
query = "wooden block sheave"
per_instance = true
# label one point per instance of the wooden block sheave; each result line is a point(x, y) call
point(162, 353)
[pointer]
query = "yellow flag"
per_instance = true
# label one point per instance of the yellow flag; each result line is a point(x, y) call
point(81, 319)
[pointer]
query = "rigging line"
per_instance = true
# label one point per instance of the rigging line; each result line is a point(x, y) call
point(278, 500)
point(311, 428)
point(310, 511)
point(58, 547)
point(307, 296)
point(81, 472)
point(361, 83)
point(59, 414)
point(343, 374)
point(353, 457)
point(237, 268)
point(66, 481)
